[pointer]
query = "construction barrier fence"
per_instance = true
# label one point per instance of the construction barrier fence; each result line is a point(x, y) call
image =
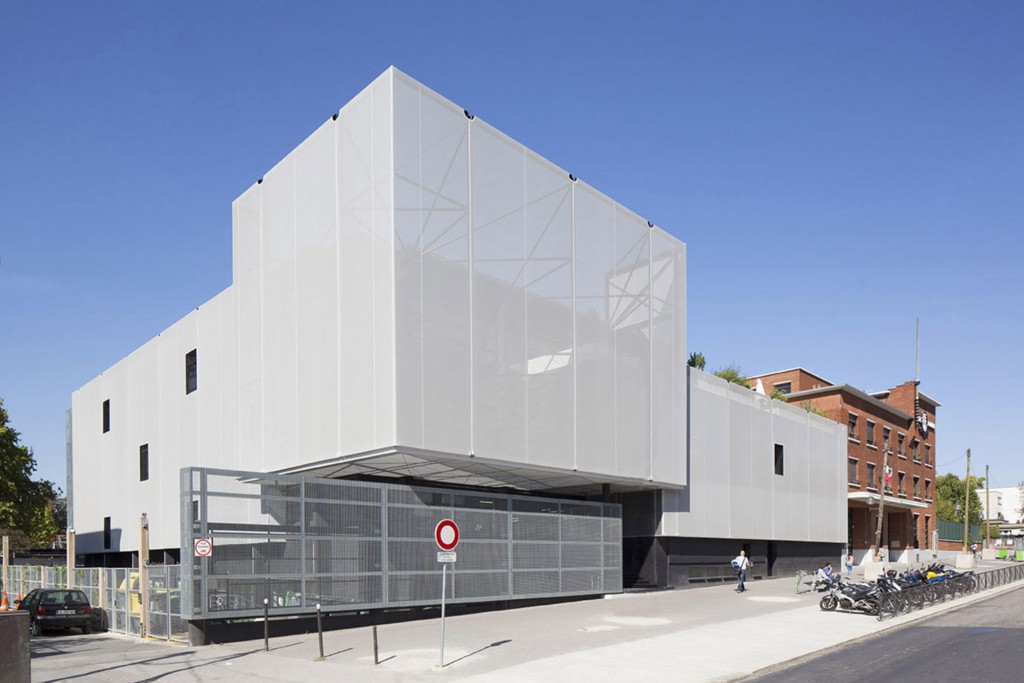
point(116, 596)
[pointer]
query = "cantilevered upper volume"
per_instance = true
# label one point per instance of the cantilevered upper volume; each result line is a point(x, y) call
point(414, 295)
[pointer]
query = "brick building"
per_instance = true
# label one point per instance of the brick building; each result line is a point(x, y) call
point(902, 418)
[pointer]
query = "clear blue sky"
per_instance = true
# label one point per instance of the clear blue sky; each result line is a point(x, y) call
point(837, 169)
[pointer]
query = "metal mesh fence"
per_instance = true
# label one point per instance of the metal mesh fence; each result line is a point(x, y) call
point(115, 596)
point(349, 545)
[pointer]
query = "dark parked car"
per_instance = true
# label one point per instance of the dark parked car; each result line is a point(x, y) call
point(57, 608)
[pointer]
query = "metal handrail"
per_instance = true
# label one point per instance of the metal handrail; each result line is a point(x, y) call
point(895, 603)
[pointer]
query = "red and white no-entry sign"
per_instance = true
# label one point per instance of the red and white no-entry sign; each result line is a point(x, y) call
point(446, 533)
point(203, 547)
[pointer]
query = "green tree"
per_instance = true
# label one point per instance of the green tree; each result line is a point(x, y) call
point(732, 373)
point(696, 360)
point(26, 506)
point(949, 498)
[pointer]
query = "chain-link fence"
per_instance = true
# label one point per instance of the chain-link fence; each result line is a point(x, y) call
point(115, 595)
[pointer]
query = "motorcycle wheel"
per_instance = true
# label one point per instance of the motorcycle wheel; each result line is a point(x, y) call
point(828, 603)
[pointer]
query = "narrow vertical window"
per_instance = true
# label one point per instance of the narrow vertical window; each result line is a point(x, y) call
point(106, 532)
point(191, 374)
point(106, 416)
point(144, 462)
point(779, 459)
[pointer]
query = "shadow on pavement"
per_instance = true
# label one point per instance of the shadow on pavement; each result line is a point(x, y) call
point(476, 652)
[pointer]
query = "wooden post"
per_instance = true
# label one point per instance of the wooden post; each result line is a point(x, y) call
point(988, 511)
point(7, 567)
point(881, 500)
point(143, 576)
point(967, 502)
point(71, 558)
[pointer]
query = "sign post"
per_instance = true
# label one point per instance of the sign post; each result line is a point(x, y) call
point(446, 534)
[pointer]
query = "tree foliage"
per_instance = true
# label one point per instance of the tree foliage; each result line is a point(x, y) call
point(696, 360)
point(949, 498)
point(28, 510)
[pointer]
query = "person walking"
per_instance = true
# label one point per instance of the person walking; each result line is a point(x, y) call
point(742, 564)
point(849, 566)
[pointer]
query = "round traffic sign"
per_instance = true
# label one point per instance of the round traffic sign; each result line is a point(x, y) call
point(203, 547)
point(446, 533)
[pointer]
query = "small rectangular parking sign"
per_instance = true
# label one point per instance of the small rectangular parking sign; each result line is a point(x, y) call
point(446, 556)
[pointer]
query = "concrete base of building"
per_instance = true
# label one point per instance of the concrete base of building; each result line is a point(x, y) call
point(679, 562)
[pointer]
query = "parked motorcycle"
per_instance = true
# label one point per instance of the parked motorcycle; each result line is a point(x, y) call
point(862, 597)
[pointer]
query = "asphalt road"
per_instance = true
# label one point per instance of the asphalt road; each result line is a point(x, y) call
point(979, 642)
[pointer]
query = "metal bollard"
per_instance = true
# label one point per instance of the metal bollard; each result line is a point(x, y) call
point(375, 660)
point(266, 624)
point(320, 629)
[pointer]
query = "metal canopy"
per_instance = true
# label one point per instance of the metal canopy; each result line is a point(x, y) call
point(461, 470)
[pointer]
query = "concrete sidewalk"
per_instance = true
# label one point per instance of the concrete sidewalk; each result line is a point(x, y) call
point(703, 634)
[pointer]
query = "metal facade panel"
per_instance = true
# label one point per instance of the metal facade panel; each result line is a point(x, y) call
point(432, 241)
point(278, 268)
point(733, 490)
point(249, 344)
point(628, 290)
point(668, 358)
point(595, 341)
point(550, 354)
point(499, 294)
point(316, 295)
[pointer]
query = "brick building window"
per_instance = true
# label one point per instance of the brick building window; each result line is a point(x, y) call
point(927, 489)
point(779, 459)
point(914, 445)
point(852, 425)
point(851, 475)
point(870, 433)
point(871, 483)
point(784, 387)
point(899, 445)
point(885, 435)
point(899, 488)
point(917, 487)
point(927, 455)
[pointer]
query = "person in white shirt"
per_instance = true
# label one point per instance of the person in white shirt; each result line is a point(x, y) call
point(742, 564)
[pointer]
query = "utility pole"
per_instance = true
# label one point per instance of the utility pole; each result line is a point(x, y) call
point(967, 501)
point(988, 511)
point(881, 499)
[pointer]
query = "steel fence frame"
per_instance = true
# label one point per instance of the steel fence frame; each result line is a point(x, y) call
point(907, 600)
point(270, 533)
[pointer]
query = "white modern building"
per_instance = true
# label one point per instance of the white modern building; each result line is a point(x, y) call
point(1005, 502)
point(418, 299)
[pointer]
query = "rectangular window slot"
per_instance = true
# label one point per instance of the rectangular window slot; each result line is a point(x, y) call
point(144, 462)
point(106, 416)
point(779, 459)
point(191, 372)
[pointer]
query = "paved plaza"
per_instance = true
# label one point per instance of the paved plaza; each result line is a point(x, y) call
point(702, 634)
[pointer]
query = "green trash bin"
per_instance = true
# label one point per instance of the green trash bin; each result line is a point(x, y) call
point(1002, 554)
point(1020, 555)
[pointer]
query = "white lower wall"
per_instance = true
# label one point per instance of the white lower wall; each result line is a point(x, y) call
point(733, 489)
